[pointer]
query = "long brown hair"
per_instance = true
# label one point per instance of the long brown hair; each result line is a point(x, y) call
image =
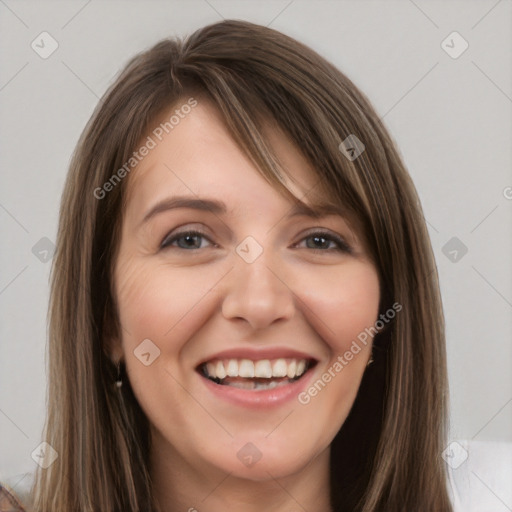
point(386, 457)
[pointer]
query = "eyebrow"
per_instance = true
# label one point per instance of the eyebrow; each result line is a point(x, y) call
point(218, 207)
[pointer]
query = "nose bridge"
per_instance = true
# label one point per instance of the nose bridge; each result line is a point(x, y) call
point(256, 292)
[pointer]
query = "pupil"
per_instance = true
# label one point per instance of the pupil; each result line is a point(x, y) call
point(319, 240)
point(190, 239)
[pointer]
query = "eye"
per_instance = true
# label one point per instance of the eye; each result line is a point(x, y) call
point(323, 241)
point(320, 241)
point(185, 240)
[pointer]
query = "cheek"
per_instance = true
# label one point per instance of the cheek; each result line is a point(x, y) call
point(160, 303)
point(165, 305)
point(342, 303)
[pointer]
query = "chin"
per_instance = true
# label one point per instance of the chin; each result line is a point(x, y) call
point(262, 458)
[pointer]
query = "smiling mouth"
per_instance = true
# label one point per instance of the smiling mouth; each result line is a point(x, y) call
point(255, 375)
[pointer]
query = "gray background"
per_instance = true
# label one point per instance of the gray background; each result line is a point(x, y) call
point(451, 118)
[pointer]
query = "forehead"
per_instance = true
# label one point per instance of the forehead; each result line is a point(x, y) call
point(199, 156)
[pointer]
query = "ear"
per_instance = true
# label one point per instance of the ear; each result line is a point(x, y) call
point(114, 349)
point(112, 345)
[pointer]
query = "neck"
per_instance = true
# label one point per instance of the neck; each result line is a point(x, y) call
point(179, 486)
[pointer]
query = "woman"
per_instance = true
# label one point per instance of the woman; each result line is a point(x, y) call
point(245, 311)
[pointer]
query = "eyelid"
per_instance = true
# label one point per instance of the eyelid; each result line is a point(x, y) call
point(324, 232)
point(342, 244)
point(171, 237)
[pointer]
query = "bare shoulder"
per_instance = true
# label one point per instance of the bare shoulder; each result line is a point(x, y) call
point(9, 502)
point(16, 492)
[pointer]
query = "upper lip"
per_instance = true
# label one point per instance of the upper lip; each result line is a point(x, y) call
point(256, 354)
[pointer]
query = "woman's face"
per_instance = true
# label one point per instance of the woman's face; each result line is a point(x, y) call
point(263, 295)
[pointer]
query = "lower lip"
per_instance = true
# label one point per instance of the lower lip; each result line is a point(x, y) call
point(262, 398)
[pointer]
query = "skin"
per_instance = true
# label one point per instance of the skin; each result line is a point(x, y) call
point(191, 303)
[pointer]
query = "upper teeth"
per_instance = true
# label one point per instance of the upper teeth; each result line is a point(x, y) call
point(264, 368)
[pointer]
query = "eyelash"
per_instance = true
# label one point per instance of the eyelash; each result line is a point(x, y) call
point(342, 245)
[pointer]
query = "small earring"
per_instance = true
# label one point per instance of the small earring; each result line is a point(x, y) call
point(119, 380)
point(370, 361)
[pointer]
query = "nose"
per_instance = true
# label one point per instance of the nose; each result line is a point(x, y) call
point(258, 294)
